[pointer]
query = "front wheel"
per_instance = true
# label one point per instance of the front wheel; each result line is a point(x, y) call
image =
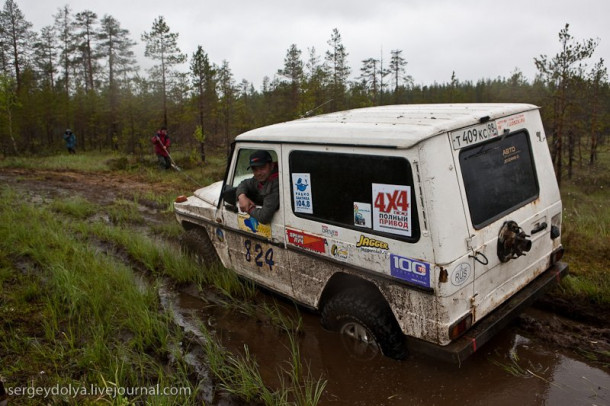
point(367, 321)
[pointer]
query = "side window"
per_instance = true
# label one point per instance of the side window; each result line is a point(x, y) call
point(243, 162)
point(370, 193)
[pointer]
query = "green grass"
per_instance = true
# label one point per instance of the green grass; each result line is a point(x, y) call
point(75, 312)
point(77, 207)
point(77, 316)
point(586, 231)
point(84, 162)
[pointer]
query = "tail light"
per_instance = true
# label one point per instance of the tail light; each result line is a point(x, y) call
point(460, 327)
point(556, 255)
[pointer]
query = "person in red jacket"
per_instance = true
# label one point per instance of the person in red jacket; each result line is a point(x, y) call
point(161, 143)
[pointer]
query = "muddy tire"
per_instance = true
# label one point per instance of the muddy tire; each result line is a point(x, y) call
point(196, 243)
point(367, 320)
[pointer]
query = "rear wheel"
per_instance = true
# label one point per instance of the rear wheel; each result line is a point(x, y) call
point(197, 243)
point(366, 322)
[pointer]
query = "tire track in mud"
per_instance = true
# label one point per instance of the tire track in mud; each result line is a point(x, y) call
point(191, 351)
point(46, 186)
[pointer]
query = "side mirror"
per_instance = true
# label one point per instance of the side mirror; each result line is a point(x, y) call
point(229, 196)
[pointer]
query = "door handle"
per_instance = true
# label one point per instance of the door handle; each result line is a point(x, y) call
point(539, 228)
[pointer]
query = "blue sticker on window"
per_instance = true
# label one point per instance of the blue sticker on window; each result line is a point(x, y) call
point(410, 270)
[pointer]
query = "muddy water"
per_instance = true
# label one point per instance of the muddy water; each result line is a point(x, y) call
point(510, 370)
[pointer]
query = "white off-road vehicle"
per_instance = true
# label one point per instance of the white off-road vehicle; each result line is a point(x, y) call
point(422, 226)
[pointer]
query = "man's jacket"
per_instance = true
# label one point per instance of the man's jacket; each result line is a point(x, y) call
point(265, 194)
point(161, 140)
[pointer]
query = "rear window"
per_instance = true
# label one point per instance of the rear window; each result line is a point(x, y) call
point(370, 193)
point(499, 177)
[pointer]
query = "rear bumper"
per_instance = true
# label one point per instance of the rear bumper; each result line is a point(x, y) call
point(460, 349)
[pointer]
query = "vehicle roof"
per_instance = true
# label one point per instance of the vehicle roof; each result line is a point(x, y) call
point(398, 126)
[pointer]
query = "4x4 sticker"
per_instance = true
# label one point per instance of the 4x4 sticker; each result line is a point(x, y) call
point(410, 270)
point(392, 208)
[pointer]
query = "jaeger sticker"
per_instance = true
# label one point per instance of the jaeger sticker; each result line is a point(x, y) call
point(410, 270)
point(251, 225)
point(307, 241)
point(372, 245)
point(362, 214)
point(302, 193)
point(392, 209)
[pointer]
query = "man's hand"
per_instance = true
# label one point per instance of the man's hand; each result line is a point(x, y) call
point(244, 203)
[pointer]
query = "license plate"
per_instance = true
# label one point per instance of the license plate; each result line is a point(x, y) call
point(474, 135)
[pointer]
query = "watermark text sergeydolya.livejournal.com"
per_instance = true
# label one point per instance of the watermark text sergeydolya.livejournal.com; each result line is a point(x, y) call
point(75, 391)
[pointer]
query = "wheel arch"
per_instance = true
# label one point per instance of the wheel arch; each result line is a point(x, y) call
point(342, 281)
point(188, 225)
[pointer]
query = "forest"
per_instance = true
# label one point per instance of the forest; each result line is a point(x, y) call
point(81, 73)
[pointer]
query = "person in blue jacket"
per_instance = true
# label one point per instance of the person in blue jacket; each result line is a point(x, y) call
point(70, 139)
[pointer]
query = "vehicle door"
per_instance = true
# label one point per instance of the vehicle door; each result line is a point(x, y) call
point(506, 208)
point(336, 222)
point(256, 250)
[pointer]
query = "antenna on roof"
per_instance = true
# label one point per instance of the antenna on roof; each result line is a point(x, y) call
point(309, 112)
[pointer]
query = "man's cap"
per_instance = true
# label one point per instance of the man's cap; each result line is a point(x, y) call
point(68, 130)
point(260, 158)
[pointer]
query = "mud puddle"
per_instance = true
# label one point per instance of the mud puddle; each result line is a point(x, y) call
point(528, 363)
point(513, 369)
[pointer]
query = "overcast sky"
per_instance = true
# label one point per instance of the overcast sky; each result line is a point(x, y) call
point(478, 39)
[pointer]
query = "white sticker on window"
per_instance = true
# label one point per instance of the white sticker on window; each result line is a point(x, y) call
point(392, 209)
point(362, 214)
point(301, 186)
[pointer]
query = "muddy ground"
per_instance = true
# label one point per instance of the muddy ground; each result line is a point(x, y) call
point(573, 326)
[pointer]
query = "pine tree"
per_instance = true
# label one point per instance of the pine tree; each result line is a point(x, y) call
point(227, 100)
point(369, 76)
point(293, 71)
point(559, 74)
point(337, 69)
point(64, 28)
point(203, 78)
point(162, 45)
point(86, 21)
point(116, 47)
point(16, 39)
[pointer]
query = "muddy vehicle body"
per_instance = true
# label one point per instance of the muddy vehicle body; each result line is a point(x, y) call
point(422, 226)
